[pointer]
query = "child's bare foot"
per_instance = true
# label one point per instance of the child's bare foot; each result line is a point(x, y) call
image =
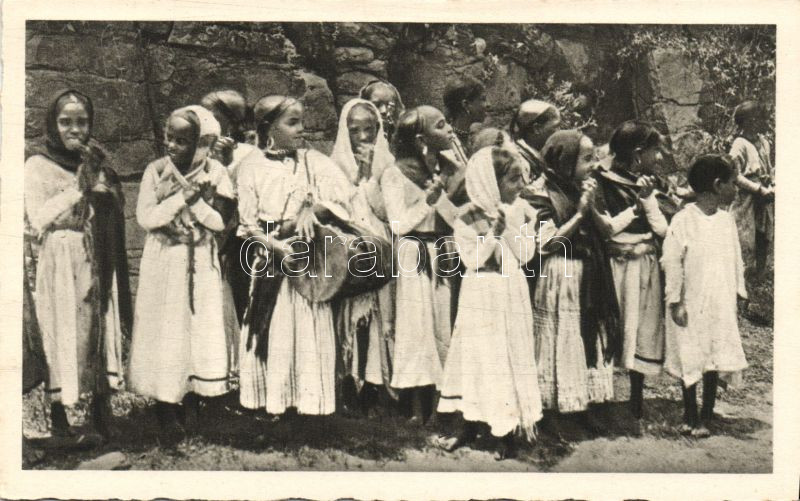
point(685, 429)
point(701, 432)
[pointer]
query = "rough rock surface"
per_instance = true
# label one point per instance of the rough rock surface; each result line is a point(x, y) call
point(137, 72)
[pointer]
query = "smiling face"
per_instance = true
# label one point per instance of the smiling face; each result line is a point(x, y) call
point(437, 133)
point(586, 161)
point(287, 131)
point(73, 125)
point(180, 139)
point(511, 184)
point(362, 126)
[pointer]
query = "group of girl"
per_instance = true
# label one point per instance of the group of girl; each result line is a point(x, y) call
point(498, 335)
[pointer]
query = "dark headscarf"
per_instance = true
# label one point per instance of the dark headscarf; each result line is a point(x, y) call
point(598, 300)
point(52, 146)
point(104, 230)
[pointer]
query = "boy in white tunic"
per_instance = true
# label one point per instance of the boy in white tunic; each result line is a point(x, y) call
point(703, 267)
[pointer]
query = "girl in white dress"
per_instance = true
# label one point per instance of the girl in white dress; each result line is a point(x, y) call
point(288, 353)
point(421, 213)
point(490, 374)
point(74, 207)
point(704, 273)
point(179, 346)
point(365, 322)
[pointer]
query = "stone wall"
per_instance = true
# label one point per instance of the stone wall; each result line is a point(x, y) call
point(138, 72)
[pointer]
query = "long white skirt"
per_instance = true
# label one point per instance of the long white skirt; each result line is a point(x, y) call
point(567, 385)
point(638, 285)
point(301, 360)
point(422, 323)
point(175, 351)
point(490, 374)
point(63, 280)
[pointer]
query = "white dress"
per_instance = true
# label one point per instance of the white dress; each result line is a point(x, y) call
point(490, 374)
point(703, 265)
point(300, 367)
point(175, 350)
point(63, 280)
point(422, 323)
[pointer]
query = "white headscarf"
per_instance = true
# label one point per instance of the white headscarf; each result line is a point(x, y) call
point(481, 182)
point(209, 126)
point(342, 153)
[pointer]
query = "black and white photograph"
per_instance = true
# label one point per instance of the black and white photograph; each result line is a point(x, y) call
point(388, 246)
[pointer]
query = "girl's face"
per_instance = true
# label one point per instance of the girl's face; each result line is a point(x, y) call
point(438, 134)
point(382, 96)
point(287, 131)
point(476, 108)
point(362, 125)
point(73, 125)
point(586, 161)
point(511, 184)
point(180, 140)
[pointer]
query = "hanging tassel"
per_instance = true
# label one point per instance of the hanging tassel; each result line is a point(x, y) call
point(190, 270)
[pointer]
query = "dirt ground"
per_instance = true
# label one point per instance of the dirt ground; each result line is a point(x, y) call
point(227, 438)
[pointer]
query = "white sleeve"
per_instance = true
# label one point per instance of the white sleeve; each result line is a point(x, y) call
point(407, 215)
point(43, 211)
point(150, 213)
point(474, 249)
point(207, 215)
point(248, 202)
point(672, 260)
point(658, 223)
point(619, 222)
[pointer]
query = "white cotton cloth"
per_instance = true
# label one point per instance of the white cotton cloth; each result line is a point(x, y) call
point(300, 366)
point(175, 351)
point(63, 281)
point(490, 374)
point(702, 263)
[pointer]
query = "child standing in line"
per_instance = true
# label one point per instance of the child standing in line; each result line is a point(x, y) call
point(490, 373)
point(575, 311)
point(704, 272)
point(635, 227)
point(179, 349)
